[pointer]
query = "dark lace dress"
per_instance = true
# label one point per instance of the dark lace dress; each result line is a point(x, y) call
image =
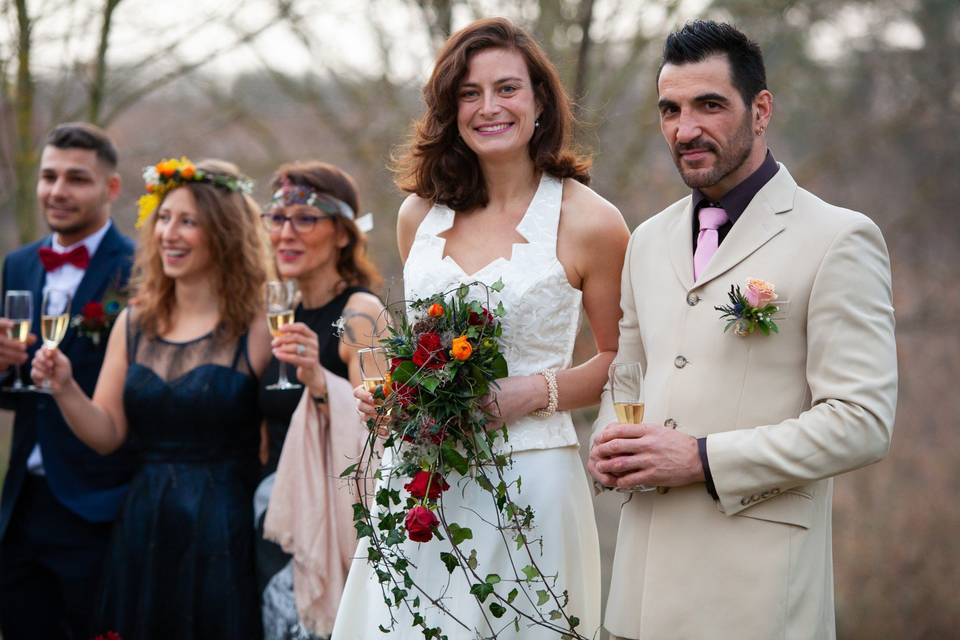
point(274, 574)
point(181, 563)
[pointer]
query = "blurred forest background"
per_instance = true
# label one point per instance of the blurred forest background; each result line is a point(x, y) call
point(867, 115)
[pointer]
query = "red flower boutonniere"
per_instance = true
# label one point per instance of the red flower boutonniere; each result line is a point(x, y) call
point(753, 311)
point(96, 319)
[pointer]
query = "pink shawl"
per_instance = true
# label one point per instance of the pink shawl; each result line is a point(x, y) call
point(310, 513)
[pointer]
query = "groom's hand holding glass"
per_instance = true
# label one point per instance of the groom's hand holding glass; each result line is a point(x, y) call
point(631, 455)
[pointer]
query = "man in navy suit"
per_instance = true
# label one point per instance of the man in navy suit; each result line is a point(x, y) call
point(60, 497)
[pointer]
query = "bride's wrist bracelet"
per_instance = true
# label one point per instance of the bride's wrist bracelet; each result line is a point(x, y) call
point(553, 394)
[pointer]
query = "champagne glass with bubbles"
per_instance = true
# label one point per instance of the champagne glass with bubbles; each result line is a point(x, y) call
point(281, 300)
point(18, 307)
point(626, 391)
point(54, 320)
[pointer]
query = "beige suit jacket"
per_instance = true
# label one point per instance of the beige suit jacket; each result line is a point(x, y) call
point(782, 413)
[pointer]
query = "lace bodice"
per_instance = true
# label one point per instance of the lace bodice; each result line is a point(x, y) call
point(542, 308)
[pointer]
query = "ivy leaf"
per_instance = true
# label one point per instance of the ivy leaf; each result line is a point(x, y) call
point(555, 615)
point(500, 311)
point(492, 578)
point(349, 470)
point(458, 534)
point(482, 590)
point(453, 458)
point(542, 597)
point(497, 609)
point(404, 371)
point(449, 560)
point(430, 383)
point(574, 621)
point(499, 367)
point(497, 286)
point(512, 595)
point(530, 571)
point(472, 561)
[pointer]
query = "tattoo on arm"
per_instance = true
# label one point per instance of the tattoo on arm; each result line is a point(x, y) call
point(349, 328)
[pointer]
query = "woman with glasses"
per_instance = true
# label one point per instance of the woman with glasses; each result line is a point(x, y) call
point(319, 242)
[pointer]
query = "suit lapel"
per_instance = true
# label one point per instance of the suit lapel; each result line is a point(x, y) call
point(37, 277)
point(759, 223)
point(103, 265)
point(681, 246)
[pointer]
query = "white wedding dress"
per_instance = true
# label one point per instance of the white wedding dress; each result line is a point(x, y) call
point(539, 328)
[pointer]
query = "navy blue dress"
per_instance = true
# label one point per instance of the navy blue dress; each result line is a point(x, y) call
point(181, 563)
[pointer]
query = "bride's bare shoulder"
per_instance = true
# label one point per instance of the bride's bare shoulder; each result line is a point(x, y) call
point(412, 212)
point(589, 215)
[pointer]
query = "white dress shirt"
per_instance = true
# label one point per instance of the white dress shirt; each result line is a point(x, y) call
point(65, 278)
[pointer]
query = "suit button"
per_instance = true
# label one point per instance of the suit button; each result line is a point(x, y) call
point(670, 423)
point(693, 299)
point(680, 362)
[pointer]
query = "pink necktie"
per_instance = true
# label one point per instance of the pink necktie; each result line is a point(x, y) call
point(711, 219)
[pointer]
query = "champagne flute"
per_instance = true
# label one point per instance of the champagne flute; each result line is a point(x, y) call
point(281, 298)
point(54, 320)
point(375, 373)
point(626, 391)
point(18, 307)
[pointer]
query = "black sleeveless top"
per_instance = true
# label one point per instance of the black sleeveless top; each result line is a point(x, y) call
point(277, 406)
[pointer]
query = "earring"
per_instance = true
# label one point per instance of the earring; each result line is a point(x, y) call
point(536, 123)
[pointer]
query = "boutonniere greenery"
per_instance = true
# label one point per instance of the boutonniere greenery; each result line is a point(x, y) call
point(96, 318)
point(752, 311)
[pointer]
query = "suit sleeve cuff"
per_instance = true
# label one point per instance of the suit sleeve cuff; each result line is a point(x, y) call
point(702, 450)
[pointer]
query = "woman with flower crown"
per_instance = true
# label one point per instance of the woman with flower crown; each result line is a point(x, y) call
point(179, 387)
point(497, 193)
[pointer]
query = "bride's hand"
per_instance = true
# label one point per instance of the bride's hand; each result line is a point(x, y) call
point(517, 396)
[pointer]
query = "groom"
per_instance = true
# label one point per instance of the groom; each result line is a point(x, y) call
point(743, 433)
point(59, 496)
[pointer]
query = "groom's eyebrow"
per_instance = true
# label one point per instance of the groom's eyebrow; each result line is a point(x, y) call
point(712, 97)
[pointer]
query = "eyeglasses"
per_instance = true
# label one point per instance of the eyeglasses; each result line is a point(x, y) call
point(302, 222)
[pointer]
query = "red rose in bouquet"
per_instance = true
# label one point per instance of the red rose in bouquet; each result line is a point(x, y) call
point(418, 485)
point(430, 352)
point(420, 522)
point(476, 319)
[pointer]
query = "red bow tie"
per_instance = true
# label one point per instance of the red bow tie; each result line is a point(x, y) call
point(78, 257)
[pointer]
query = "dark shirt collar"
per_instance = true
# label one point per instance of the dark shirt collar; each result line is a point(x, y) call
point(736, 200)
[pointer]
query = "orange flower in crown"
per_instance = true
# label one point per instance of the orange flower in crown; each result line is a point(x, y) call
point(435, 310)
point(171, 173)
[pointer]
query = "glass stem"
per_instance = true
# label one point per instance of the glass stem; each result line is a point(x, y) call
point(17, 382)
point(283, 381)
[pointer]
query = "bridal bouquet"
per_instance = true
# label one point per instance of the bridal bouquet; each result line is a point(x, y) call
point(434, 411)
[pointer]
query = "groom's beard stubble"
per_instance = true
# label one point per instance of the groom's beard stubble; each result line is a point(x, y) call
point(728, 161)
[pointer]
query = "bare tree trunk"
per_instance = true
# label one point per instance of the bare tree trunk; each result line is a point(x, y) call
point(25, 155)
point(98, 85)
point(583, 56)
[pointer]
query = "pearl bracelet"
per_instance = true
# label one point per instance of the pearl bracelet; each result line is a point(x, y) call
point(553, 394)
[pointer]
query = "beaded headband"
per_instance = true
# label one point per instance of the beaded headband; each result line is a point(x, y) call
point(167, 175)
point(291, 194)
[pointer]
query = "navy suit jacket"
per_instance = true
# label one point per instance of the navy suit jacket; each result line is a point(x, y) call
point(90, 485)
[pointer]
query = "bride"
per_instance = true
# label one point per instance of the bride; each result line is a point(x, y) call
point(497, 193)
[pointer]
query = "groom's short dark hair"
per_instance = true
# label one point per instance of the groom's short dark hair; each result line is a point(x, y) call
point(83, 135)
point(700, 39)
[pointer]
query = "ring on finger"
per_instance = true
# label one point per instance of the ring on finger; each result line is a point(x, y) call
point(301, 349)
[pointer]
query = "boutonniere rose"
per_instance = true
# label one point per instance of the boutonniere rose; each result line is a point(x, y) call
point(96, 319)
point(753, 311)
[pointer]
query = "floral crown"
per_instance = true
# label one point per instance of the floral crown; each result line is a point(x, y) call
point(167, 175)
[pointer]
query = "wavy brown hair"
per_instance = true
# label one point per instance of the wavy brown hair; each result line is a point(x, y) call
point(353, 265)
point(237, 251)
point(438, 165)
